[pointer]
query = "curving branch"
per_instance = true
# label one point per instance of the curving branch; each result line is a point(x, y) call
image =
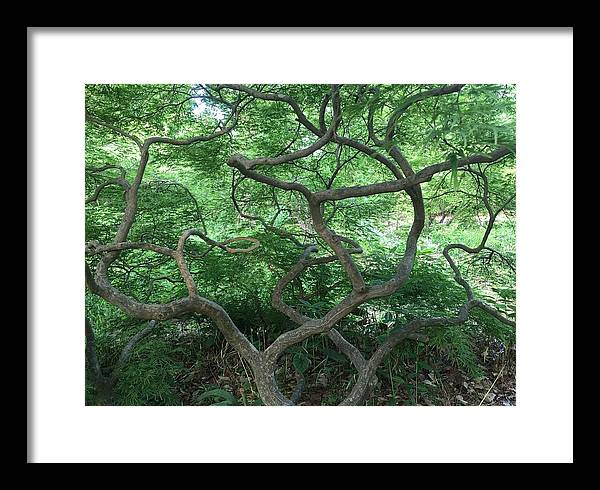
point(406, 180)
point(267, 226)
point(475, 250)
point(420, 177)
point(105, 384)
point(409, 101)
point(277, 98)
point(120, 182)
point(128, 349)
point(94, 248)
point(264, 363)
point(99, 122)
point(100, 284)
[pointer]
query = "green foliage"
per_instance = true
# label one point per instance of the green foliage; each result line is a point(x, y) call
point(217, 396)
point(149, 377)
point(453, 159)
point(190, 187)
point(301, 362)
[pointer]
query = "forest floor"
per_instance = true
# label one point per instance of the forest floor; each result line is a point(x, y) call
point(440, 384)
point(448, 385)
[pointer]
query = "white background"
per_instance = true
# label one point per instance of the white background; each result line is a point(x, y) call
point(538, 429)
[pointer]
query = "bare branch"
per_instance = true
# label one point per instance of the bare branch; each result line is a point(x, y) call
point(128, 349)
point(120, 182)
point(95, 120)
point(90, 348)
point(393, 120)
point(424, 175)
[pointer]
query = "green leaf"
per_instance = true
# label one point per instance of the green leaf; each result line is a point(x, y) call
point(300, 362)
point(453, 159)
point(227, 398)
point(331, 354)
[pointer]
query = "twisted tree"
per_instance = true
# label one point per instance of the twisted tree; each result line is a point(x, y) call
point(340, 124)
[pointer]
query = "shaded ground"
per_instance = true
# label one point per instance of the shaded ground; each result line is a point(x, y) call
point(429, 381)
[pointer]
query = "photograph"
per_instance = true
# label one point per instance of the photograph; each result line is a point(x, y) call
point(300, 244)
point(304, 244)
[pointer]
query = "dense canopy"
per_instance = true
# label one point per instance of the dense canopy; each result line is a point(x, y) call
point(258, 244)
